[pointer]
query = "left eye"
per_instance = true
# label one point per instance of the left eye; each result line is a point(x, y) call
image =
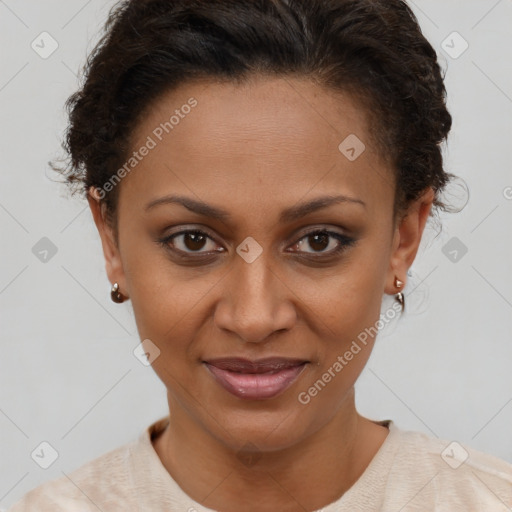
point(323, 242)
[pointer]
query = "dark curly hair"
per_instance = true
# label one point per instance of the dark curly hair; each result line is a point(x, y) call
point(373, 49)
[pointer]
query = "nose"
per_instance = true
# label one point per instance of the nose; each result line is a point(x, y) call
point(255, 302)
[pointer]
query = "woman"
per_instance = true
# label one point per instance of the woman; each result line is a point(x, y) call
point(260, 174)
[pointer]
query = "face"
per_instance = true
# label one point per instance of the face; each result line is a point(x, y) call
point(255, 252)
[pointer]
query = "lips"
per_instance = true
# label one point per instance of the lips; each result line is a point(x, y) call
point(255, 380)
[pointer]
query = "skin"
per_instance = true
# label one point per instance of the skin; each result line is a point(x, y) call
point(254, 150)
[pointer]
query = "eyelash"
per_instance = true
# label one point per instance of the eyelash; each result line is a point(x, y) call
point(345, 243)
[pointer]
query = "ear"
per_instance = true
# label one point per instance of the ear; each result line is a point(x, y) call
point(407, 238)
point(113, 263)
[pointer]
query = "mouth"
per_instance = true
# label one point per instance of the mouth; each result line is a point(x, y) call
point(256, 380)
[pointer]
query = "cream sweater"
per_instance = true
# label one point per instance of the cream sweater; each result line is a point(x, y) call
point(411, 472)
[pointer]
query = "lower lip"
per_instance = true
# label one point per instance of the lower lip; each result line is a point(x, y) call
point(256, 386)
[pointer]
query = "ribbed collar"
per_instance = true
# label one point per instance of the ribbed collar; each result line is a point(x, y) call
point(154, 489)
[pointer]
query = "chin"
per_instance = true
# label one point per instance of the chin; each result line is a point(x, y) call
point(267, 430)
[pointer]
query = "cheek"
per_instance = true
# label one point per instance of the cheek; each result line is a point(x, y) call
point(348, 308)
point(347, 317)
point(160, 292)
point(167, 306)
point(349, 298)
point(174, 311)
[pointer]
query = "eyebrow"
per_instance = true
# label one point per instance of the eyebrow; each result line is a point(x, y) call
point(288, 215)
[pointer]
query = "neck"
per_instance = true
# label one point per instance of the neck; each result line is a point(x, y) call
point(306, 476)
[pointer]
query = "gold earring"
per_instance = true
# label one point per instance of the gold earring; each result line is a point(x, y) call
point(399, 297)
point(116, 295)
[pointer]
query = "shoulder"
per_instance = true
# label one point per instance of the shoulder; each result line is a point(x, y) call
point(101, 484)
point(449, 473)
point(116, 481)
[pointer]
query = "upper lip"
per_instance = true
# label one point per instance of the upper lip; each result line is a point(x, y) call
point(241, 365)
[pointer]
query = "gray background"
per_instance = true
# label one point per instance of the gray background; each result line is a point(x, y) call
point(67, 372)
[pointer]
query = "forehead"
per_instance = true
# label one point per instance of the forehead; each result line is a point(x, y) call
point(282, 138)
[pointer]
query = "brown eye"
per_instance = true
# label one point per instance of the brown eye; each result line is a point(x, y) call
point(323, 242)
point(194, 241)
point(318, 242)
point(191, 242)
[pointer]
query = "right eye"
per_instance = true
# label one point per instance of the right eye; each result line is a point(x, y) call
point(190, 242)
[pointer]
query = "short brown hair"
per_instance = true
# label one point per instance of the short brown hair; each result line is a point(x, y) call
point(374, 48)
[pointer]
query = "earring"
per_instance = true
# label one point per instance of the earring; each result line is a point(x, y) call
point(399, 297)
point(116, 295)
